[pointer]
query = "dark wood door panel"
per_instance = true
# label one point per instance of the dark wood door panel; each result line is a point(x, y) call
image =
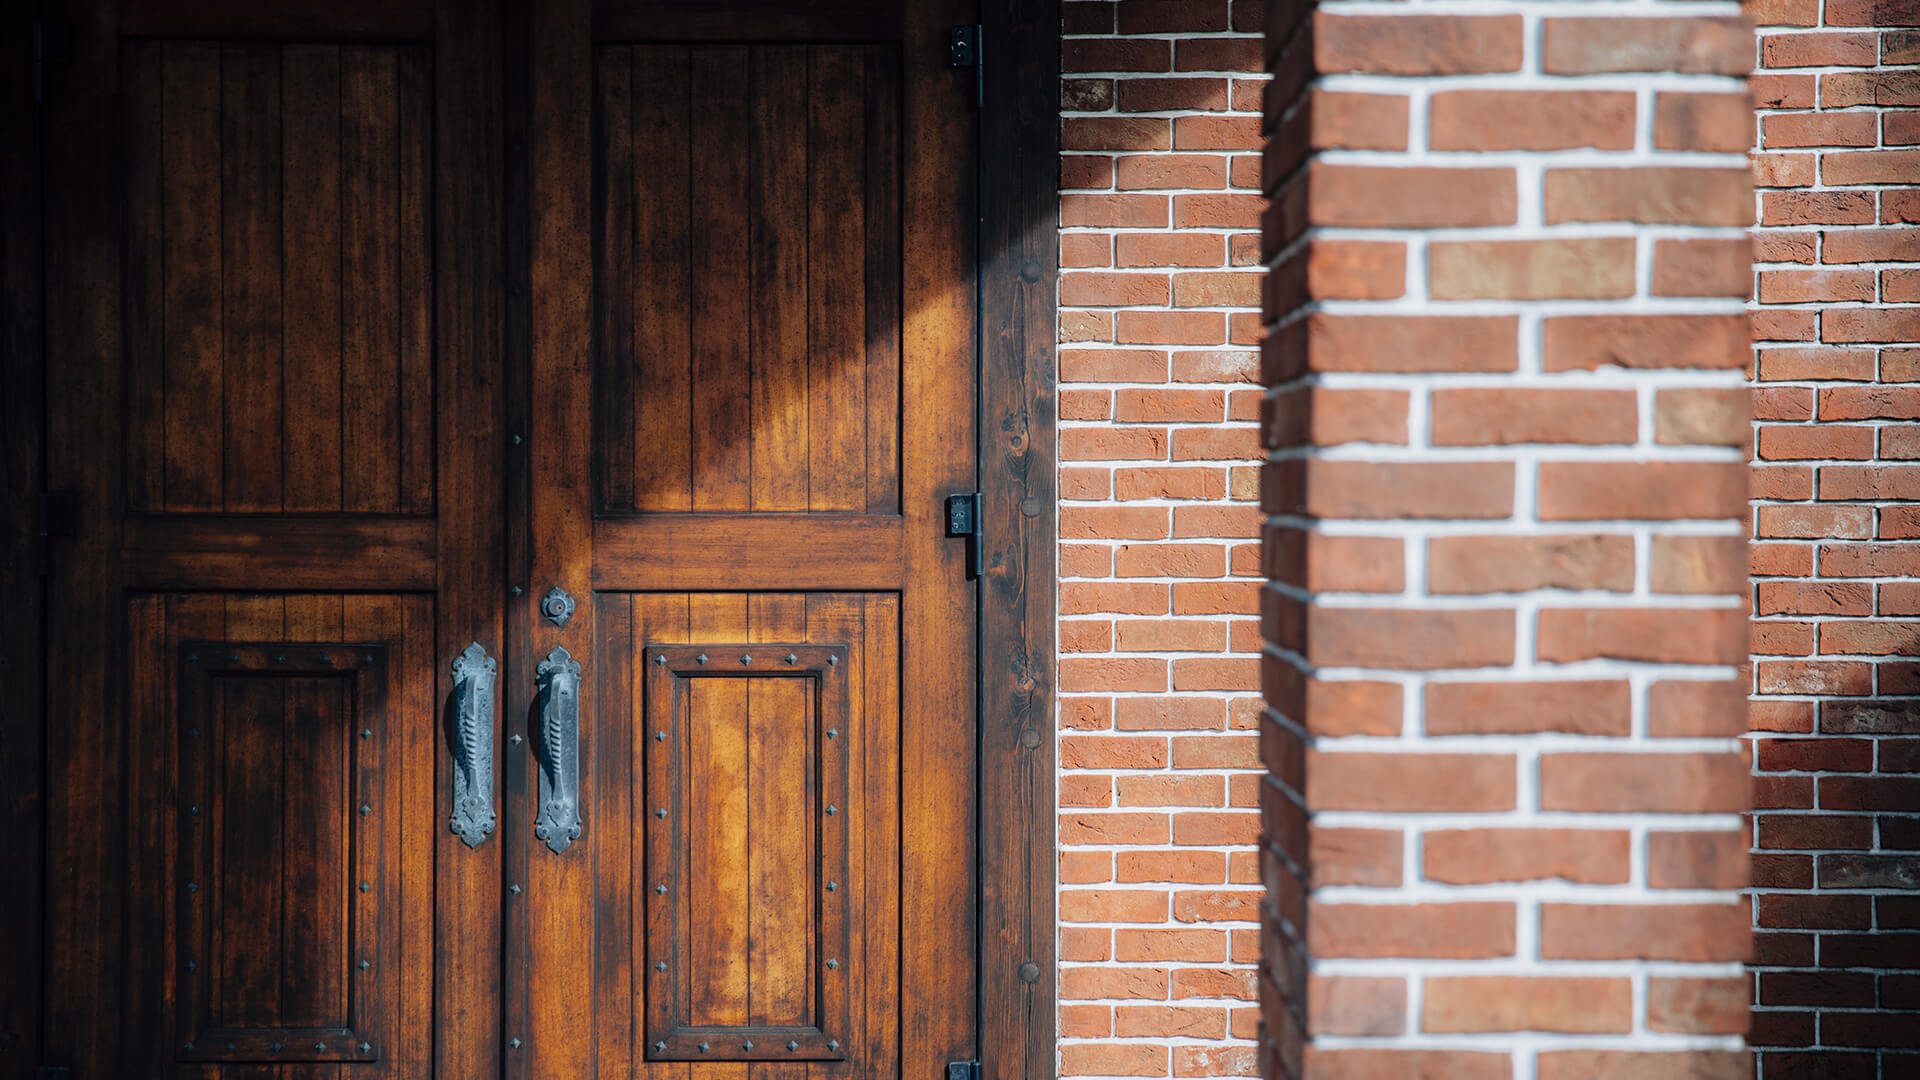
point(747, 269)
point(278, 277)
point(282, 752)
point(779, 923)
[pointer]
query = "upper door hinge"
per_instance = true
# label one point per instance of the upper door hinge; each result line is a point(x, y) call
point(963, 1070)
point(963, 51)
point(54, 518)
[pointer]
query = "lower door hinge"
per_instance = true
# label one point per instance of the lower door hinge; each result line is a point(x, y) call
point(963, 519)
point(963, 51)
point(55, 518)
point(963, 1070)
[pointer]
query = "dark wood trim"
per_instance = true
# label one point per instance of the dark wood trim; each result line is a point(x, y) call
point(21, 462)
point(1019, 201)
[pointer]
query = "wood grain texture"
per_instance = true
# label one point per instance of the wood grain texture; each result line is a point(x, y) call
point(769, 175)
point(279, 278)
point(1018, 273)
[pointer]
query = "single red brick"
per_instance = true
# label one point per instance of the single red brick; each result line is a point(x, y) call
point(1473, 930)
point(1530, 120)
point(1694, 46)
point(1691, 933)
point(1416, 44)
point(1484, 856)
point(1487, 1003)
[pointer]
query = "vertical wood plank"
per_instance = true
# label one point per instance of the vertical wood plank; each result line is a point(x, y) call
point(190, 190)
point(250, 263)
point(379, 837)
point(145, 149)
point(658, 618)
point(414, 130)
point(836, 246)
point(310, 299)
point(717, 617)
point(245, 893)
point(882, 264)
point(717, 834)
point(153, 964)
point(1018, 264)
point(663, 248)
point(370, 265)
point(614, 364)
point(613, 783)
point(468, 178)
point(318, 741)
point(777, 257)
point(415, 739)
point(722, 422)
point(878, 766)
point(938, 895)
point(783, 777)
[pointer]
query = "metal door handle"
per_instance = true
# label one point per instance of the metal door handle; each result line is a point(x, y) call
point(473, 674)
point(559, 821)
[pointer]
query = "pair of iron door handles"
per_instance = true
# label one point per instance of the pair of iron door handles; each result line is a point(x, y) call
point(557, 746)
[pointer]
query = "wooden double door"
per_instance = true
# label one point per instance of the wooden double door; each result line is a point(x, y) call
point(508, 623)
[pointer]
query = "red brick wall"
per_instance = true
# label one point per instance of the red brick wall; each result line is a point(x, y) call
point(1505, 498)
point(1836, 606)
point(1159, 325)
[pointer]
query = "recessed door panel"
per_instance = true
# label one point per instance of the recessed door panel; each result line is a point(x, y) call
point(284, 745)
point(278, 268)
point(748, 272)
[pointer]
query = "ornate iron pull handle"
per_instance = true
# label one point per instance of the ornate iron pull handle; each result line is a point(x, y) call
point(473, 674)
point(559, 821)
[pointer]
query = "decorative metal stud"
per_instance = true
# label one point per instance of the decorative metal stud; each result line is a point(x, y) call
point(661, 889)
point(193, 811)
point(659, 1048)
point(832, 964)
point(660, 813)
point(659, 736)
point(746, 658)
point(833, 886)
point(193, 965)
point(515, 739)
point(517, 590)
point(833, 659)
point(792, 659)
point(231, 1047)
point(661, 660)
point(367, 658)
point(366, 886)
point(513, 1044)
point(365, 809)
point(366, 733)
point(234, 659)
point(833, 733)
point(193, 733)
point(365, 965)
point(660, 965)
point(275, 1047)
point(701, 659)
point(514, 889)
point(188, 1048)
point(366, 1048)
point(748, 1045)
point(320, 1047)
point(280, 659)
point(833, 1044)
point(792, 1046)
point(703, 1048)
point(832, 809)
point(193, 886)
point(193, 658)
point(557, 606)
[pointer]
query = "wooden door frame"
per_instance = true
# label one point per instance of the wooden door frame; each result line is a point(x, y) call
point(1018, 271)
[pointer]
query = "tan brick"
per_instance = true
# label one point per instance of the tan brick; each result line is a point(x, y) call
point(1530, 120)
point(1486, 1003)
point(1489, 855)
point(1601, 707)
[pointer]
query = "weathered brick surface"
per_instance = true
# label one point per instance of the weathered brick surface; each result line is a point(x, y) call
point(1836, 853)
point(1160, 291)
point(1505, 624)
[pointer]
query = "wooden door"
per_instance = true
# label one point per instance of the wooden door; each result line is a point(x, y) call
point(751, 389)
point(272, 333)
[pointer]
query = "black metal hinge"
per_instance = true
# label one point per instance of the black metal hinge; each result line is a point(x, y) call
point(963, 51)
point(55, 518)
point(963, 1070)
point(963, 519)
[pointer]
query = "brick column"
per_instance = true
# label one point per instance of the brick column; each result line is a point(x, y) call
point(1836, 601)
point(1505, 495)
